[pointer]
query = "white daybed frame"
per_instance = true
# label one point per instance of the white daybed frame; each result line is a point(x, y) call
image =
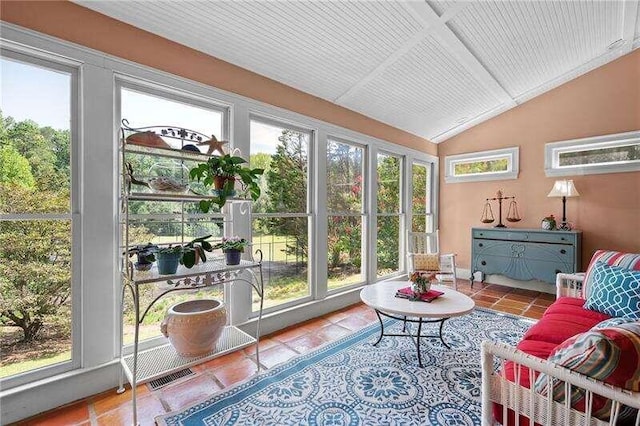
point(546, 411)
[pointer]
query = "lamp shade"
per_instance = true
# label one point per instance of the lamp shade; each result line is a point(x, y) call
point(563, 188)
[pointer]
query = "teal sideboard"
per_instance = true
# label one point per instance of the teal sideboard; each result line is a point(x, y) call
point(524, 254)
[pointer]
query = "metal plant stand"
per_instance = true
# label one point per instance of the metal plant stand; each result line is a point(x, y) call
point(141, 366)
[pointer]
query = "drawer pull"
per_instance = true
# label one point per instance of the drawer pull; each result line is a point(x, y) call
point(562, 239)
point(563, 251)
point(481, 245)
point(483, 263)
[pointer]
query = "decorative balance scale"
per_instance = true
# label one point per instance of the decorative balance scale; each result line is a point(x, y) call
point(512, 213)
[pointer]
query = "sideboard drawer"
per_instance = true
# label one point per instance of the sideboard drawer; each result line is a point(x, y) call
point(526, 250)
point(556, 237)
point(525, 254)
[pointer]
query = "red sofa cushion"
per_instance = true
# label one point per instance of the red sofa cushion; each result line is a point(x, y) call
point(565, 318)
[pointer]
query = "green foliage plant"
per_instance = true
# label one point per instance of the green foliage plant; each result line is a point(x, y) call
point(170, 249)
point(232, 243)
point(221, 172)
point(145, 253)
point(196, 249)
point(191, 251)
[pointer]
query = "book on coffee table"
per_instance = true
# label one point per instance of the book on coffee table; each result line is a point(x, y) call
point(407, 293)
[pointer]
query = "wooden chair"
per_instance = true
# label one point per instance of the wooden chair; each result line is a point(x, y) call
point(423, 254)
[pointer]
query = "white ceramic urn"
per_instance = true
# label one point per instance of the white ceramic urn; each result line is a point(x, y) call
point(194, 327)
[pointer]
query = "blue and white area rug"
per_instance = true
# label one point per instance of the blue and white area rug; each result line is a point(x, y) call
point(351, 382)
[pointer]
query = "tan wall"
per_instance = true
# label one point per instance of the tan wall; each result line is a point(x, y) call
point(604, 101)
point(83, 26)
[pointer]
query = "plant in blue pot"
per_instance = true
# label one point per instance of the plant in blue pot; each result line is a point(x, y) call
point(168, 259)
point(232, 247)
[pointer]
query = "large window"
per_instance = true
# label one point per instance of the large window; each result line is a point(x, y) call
point(389, 204)
point(281, 216)
point(345, 213)
point(160, 222)
point(480, 166)
point(601, 154)
point(39, 220)
point(421, 219)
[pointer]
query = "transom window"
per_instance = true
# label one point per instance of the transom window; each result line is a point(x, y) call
point(480, 166)
point(602, 154)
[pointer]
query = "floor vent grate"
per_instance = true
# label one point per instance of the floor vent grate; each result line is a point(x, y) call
point(170, 378)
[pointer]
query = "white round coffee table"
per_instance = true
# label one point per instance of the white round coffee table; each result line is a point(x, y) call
point(382, 298)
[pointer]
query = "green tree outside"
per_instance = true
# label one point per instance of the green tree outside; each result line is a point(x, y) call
point(35, 255)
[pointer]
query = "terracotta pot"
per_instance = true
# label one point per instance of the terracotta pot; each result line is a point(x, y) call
point(219, 182)
point(194, 327)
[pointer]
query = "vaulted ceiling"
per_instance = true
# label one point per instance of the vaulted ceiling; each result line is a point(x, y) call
point(432, 68)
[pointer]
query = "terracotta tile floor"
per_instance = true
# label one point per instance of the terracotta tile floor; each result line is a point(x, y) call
point(111, 409)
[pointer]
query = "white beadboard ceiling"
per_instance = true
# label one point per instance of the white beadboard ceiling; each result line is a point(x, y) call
point(432, 68)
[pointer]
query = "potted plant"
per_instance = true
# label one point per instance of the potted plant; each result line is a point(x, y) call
point(549, 223)
point(195, 250)
point(168, 259)
point(221, 172)
point(232, 248)
point(421, 281)
point(145, 254)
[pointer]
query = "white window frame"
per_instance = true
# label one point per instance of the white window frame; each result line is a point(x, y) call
point(311, 184)
point(363, 214)
point(553, 150)
point(54, 63)
point(512, 156)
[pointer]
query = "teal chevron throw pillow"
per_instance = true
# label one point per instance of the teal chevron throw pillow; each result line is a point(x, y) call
point(615, 291)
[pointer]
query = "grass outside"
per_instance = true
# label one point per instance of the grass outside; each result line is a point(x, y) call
point(52, 347)
point(274, 247)
point(32, 364)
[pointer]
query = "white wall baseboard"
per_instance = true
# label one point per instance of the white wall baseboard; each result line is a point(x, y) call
point(508, 282)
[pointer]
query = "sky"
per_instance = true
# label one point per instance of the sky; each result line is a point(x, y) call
point(30, 92)
point(43, 95)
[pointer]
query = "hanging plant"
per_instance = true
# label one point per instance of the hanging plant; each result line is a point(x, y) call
point(221, 173)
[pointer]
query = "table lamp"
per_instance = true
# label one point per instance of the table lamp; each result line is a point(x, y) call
point(564, 188)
